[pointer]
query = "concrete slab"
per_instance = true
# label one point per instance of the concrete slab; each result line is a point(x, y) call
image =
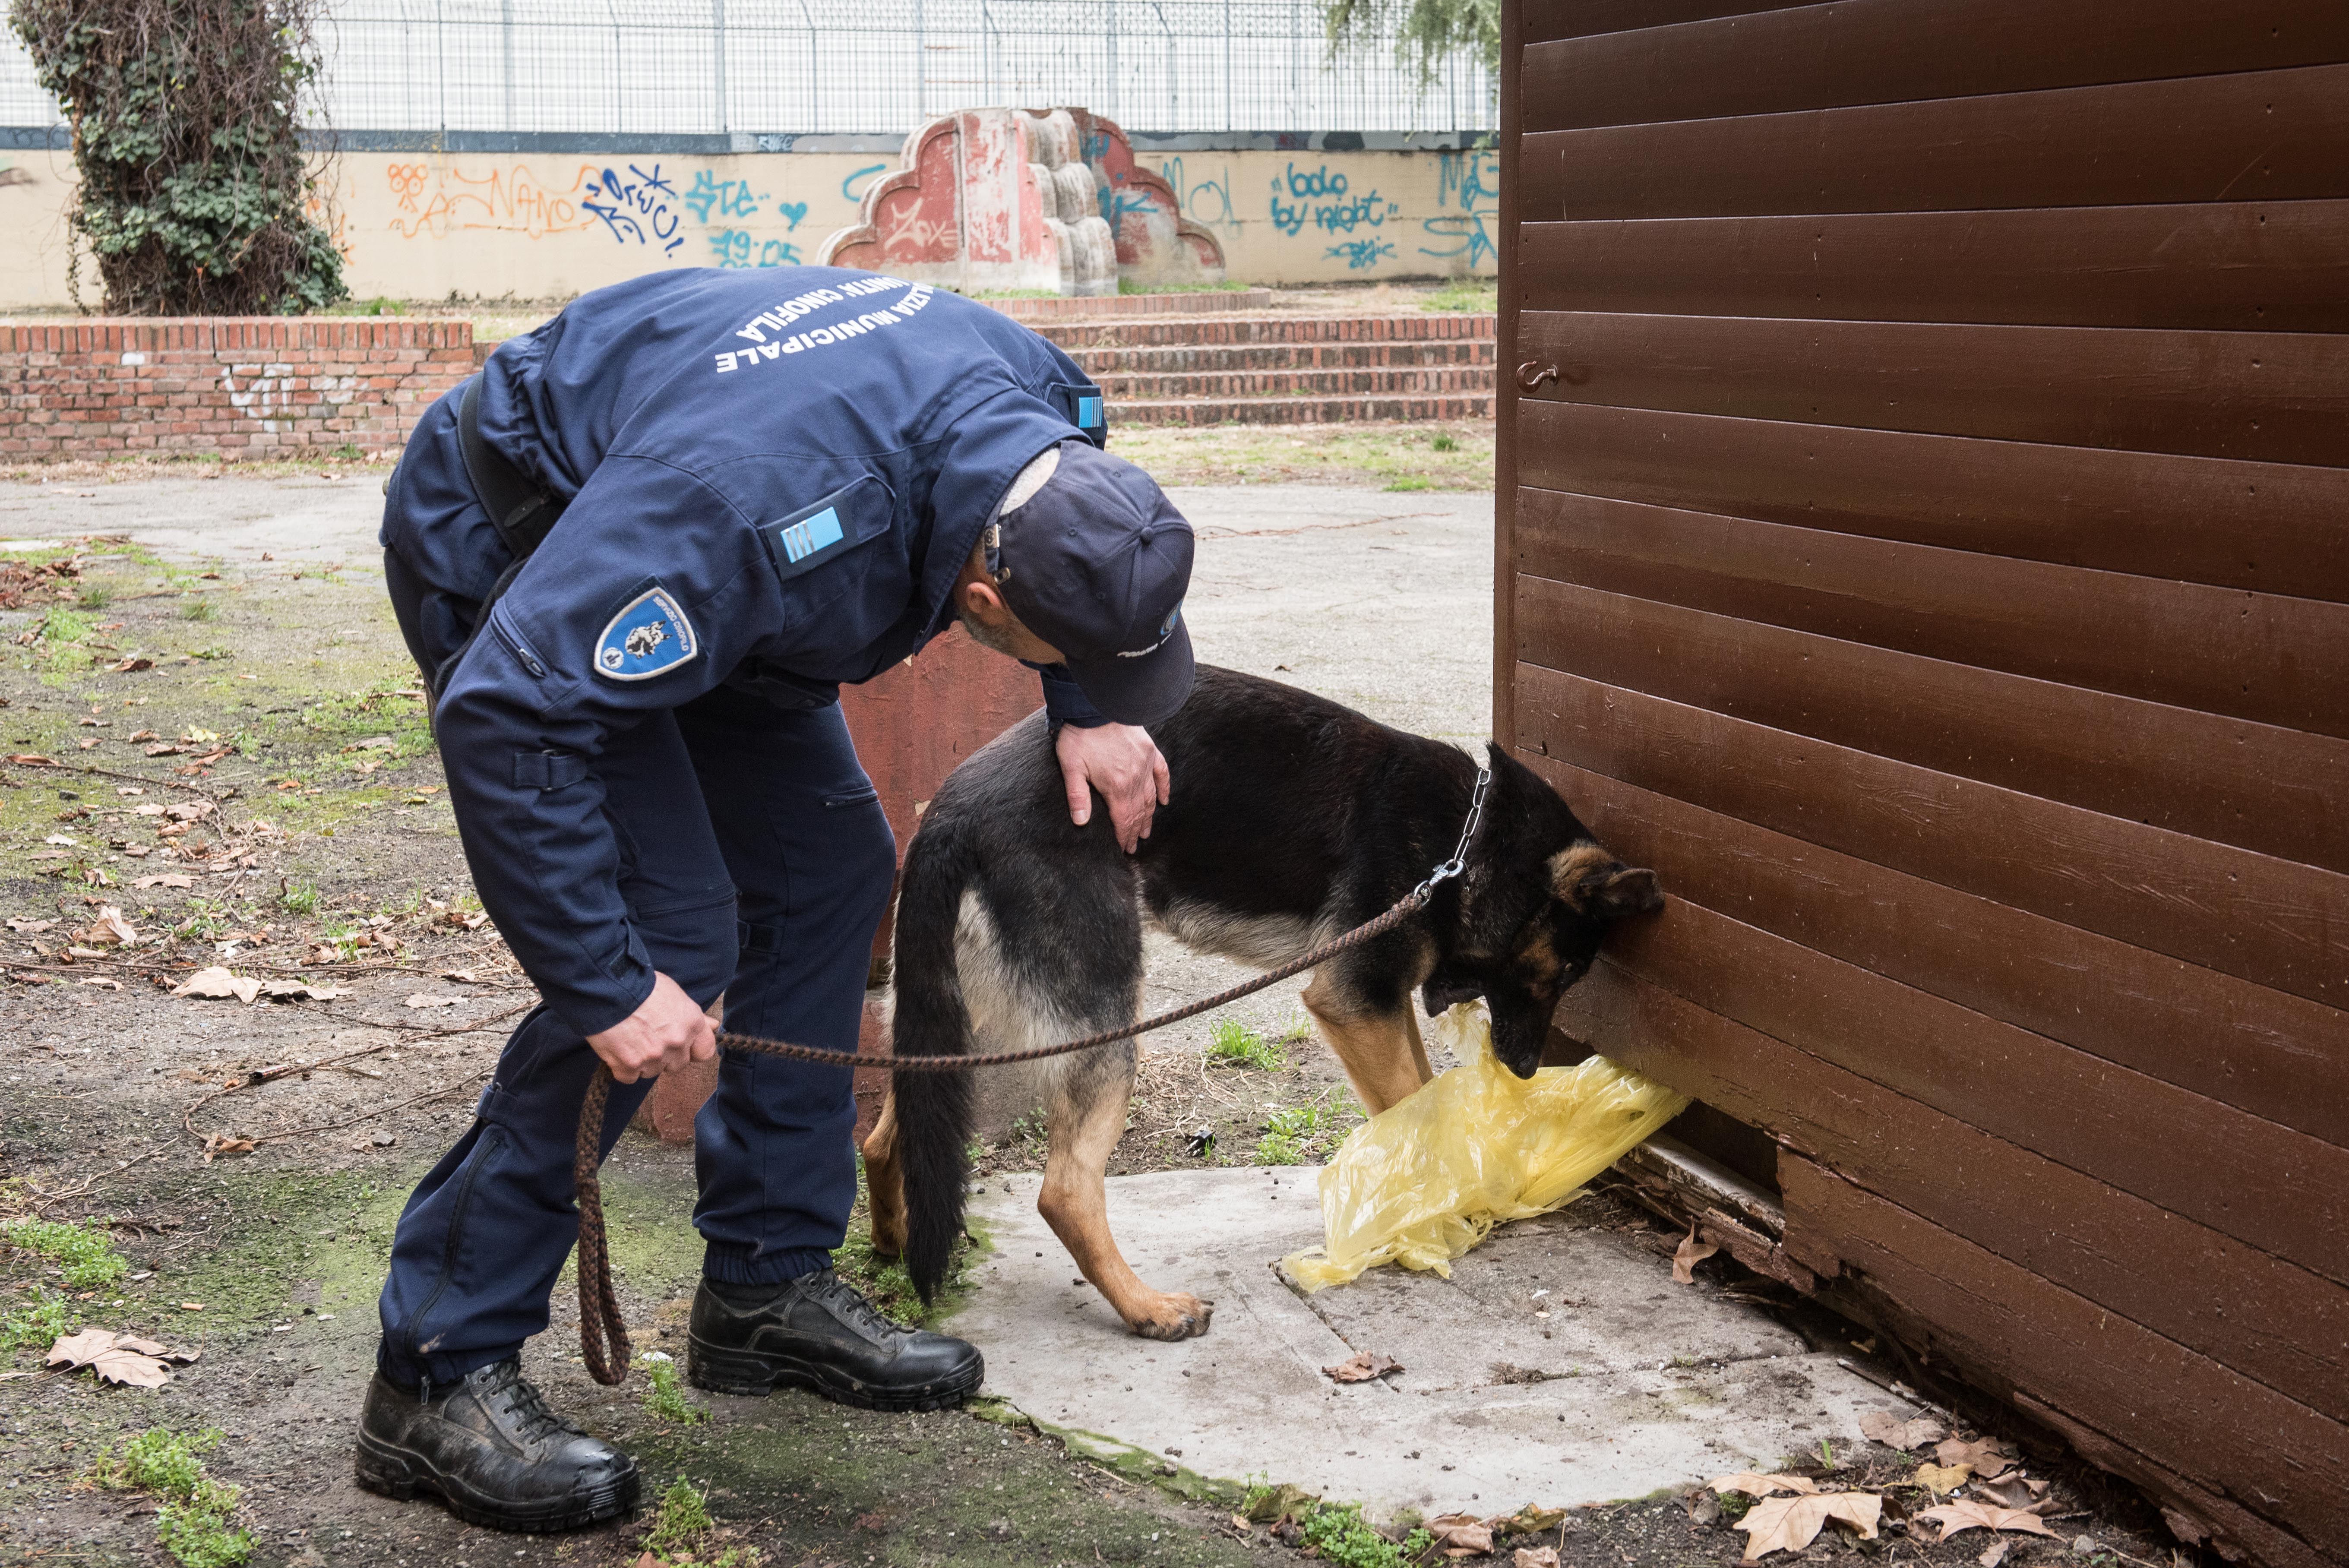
point(1630, 1385)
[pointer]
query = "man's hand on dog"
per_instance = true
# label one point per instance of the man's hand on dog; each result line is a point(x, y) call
point(664, 1032)
point(1123, 763)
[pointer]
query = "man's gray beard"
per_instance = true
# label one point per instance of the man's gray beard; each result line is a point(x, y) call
point(987, 636)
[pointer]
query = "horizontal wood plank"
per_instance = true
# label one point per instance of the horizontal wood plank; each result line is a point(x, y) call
point(2276, 662)
point(2279, 398)
point(2281, 1460)
point(2269, 527)
point(2267, 1318)
point(2270, 922)
point(2281, 1192)
point(1547, 19)
point(2255, 785)
point(2279, 1057)
point(2260, 136)
point(1889, 51)
point(2221, 266)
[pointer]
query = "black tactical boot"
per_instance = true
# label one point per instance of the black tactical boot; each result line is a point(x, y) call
point(490, 1449)
point(818, 1333)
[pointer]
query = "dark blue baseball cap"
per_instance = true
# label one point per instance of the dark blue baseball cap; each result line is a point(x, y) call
point(1096, 564)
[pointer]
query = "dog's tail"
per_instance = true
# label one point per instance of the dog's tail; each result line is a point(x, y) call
point(934, 1108)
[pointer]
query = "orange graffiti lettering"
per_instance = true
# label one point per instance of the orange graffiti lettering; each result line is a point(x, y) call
point(510, 200)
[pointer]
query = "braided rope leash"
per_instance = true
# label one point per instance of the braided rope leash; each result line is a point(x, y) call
point(603, 1339)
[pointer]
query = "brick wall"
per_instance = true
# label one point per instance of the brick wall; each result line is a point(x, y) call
point(244, 387)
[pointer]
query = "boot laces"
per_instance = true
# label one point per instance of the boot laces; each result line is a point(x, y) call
point(523, 1404)
point(849, 1303)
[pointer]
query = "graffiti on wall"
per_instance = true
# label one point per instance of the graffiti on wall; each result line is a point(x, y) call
point(1204, 202)
point(639, 208)
point(436, 202)
point(1321, 197)
point(1470, 184)
point(1360, 253)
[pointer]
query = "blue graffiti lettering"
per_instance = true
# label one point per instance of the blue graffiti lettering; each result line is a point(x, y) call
point(1116, 204)
point(1369, 210)
point(625, 201)
point(727, 198)
point(1191, 197)
point(1360, 253)
point(1470, 182)
point(738, 248)
point(793, 210)
point(866, 172)
point(1305, 187)
point(1475, 241)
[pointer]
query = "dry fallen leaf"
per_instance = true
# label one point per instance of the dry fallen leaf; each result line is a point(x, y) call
point(1994, 1553)
point(218, 982)
point(1952, 1517)
point(1461, 1536)
point(221, 1143)
point(1531, 1520)
point(463, 976)
point(298, 991)
point(1690, 1253)
point(1536, 1557)
point(28, 926)
point(28, 760)
point(117, 1358)
point(166, 880)
point(1790, 1523)
point(109, 930)
point(1938, 1479)
point(2012, 1489)
point(1888, 1428)
point(1988, 1456)
point(1358, 1367)
point(1754, 1485)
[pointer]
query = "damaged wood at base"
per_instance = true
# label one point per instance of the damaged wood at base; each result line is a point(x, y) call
point(1691, 1188)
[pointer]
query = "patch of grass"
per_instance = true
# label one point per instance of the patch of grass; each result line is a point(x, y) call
point(35, 1325)
point(1128, 286)
point(198, 610)
point(1339, 1534)
point(195, 1524)
point(665, 1396)
point(95, 596)
point(1468, 294)
point(298, 898)
point(1234, 1044)
point(680, 1522)
point(1291, 1132)
point(1445, 441)
point(64, 626)
point(1368, 455)
point(382, 304)
point(86, 1252)
point(1411, 482)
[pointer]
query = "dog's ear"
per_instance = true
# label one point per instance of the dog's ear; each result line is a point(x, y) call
point(1442, 993)
point(1592, 883)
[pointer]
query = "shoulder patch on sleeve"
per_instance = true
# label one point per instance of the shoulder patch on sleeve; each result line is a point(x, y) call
point(649, 636)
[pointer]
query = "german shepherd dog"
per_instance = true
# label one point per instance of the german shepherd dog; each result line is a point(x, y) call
point(1293, 820)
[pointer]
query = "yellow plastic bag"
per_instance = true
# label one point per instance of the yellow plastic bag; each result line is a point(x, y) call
point(1423, 1181)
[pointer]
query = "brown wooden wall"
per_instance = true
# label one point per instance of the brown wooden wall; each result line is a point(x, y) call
point(1924, 537)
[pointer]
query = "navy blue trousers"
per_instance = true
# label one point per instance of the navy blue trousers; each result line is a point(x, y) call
point(756, 862)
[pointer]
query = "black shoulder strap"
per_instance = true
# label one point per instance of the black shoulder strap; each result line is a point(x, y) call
point(523, 513)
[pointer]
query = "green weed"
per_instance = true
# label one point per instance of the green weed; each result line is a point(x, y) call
point(95, 596)
point(1234, 1044)
point(194, 1524)
point(382, 304)
point(35, 1325)
point(298, 898)
point(198, 610)
point(1128, 286)
point(1338, 1533)
point(682, 1521)
point(665, 1397)
point(1445, 441)
point(1411, 482)
point(1291, 1132)
point(86, 1252)
point(64, 626)
point(208, 918)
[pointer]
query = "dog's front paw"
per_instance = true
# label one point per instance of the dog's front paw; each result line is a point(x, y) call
point(1173, 1315)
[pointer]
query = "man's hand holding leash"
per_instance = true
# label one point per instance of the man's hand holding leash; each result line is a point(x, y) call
point(665, 1033)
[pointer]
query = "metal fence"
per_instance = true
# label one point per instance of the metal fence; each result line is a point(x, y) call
point(661, 67)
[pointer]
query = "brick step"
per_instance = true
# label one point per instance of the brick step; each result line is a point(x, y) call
point(1161, 332)
point(1171, 361)
point(1301, 410)
point(1124, 390)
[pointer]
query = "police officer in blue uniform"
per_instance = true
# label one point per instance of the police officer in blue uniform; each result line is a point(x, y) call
point(635, 557)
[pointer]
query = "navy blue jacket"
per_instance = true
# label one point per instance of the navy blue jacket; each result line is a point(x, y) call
point(773, 479)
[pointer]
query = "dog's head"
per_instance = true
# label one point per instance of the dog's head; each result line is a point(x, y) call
point(1538, 897)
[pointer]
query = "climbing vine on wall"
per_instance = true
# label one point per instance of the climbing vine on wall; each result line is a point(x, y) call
point(195, 195)
point(1428, 32)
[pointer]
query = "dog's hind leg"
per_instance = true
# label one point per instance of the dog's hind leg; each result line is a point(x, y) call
point(1418, 1048)
point(1380, 1052)
point(884, 1181)
point(1086, 1126)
